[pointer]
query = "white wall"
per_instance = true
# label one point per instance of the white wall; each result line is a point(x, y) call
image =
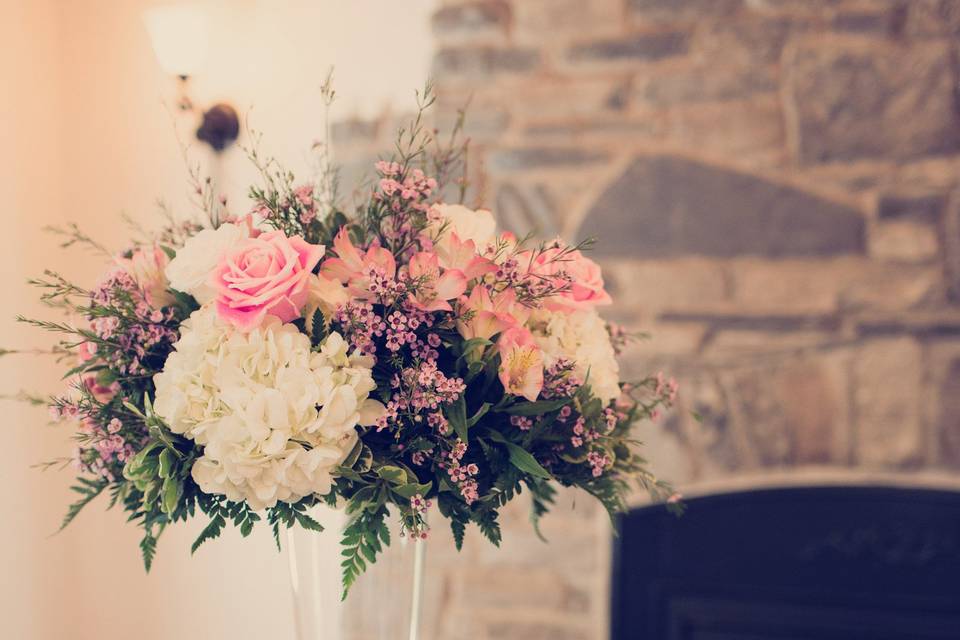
point(32, 562)
point(85, 136)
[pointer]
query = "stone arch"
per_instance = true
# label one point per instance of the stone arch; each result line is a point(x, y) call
point(668, 205)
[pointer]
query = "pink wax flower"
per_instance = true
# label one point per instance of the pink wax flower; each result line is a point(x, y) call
point(304, 194)
point(586, 282)
point(435, 289)
point(266, 275)
point(521, 363)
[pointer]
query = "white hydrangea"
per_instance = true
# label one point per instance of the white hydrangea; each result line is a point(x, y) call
point(274, 418)
point(582, 338)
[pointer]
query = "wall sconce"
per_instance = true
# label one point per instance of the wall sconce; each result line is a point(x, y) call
point(179, 37)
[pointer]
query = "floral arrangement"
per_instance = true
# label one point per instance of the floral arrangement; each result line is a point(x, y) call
point(403, 356)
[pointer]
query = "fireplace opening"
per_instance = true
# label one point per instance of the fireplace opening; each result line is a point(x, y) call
point(838, 563)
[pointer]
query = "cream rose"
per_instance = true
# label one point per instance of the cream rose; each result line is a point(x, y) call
point(477, 226)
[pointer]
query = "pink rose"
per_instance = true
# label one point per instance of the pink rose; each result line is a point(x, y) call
point(265, 275)
point(586, 281)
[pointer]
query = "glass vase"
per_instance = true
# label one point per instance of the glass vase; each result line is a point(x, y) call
point(384, 602)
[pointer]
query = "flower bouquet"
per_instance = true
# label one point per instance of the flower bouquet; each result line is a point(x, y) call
point(400, 356)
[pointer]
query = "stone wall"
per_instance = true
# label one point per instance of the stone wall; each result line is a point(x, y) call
point(774, 188)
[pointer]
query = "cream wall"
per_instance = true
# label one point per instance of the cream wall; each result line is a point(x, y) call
point(85, 136)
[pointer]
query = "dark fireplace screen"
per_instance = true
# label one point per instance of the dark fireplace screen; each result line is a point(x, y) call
point(837, 563)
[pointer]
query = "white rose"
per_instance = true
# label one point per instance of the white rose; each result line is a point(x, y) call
point(190, 269)
point(582, 338)
point(468, 224)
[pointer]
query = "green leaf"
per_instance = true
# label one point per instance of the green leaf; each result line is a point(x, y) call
point(592, 409)
point(521, 458)
point(473, 343)
point(457, 416)
point(353, 456)
point(365, 462)
point(482, 411)
point(171, 495)
point(134, 465)
point(393, 475)
point(318, 329)
point(166, 462)
point(458, 528)
point(472, 352)
point(150, 492)
point(88, 490)
point(361, 539)
point(537, 408)
point(209, 532)
point(308, 522)
point(543, 495)
point(148, 549)
point(409, 490)
point(487, 521)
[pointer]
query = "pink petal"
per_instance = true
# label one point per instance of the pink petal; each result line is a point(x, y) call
point(451, 285)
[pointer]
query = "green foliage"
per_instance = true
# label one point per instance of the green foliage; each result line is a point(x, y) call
point(213, 530)
point(538, 408)
point(459, 530)
point(487, 520)
point(88, 490)
point(521, 458)
point(457, 415)
point(542, 497)
point(148, 548)
point(363, 538)
point(288, 514)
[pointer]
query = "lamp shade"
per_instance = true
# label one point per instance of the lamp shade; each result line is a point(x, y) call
point(179, 37)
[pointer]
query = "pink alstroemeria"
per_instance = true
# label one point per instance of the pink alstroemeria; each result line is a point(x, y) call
point(250, 220)
point(461, 255)
point(483, 316)
point(352, 266)
point(581, 274)
point(521, 363)
point(435, 289)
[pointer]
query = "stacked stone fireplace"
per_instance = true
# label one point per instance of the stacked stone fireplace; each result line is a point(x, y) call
point(774, 188)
